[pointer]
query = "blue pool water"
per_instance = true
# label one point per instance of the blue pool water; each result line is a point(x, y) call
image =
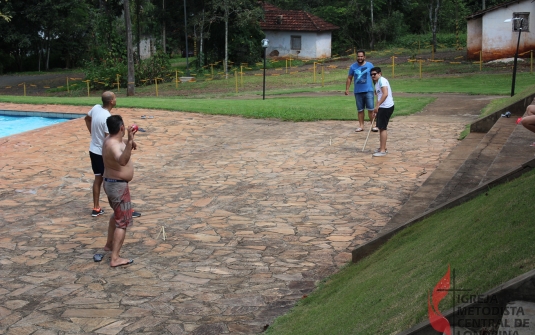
point(10, 125)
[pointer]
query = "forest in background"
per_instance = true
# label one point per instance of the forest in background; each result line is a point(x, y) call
point(39, 35)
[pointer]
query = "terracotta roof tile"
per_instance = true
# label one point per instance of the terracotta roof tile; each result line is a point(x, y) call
point(292, 20)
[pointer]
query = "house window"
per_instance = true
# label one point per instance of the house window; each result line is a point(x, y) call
point(525, 22)
point(296, 42)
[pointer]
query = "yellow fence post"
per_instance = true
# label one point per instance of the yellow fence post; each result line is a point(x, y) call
point(314, 72)
point(156, 82)
point(87, 84)
point(420, 61)
point(176, 79)
point(322, 76)
point(236, 79)
point(118, 83)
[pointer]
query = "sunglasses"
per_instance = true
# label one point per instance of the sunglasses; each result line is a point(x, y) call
point(373, 74)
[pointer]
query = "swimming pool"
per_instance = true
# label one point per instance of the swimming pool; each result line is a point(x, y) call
point(18, 122)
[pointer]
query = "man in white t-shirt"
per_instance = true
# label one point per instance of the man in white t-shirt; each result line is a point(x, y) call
point(95, 121)
point(383, 109)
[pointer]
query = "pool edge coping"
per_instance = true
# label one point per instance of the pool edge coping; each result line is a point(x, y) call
point(42, 114)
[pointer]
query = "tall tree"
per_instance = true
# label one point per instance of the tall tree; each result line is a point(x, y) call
point(434, 6)
point(129, 50)
point(5, 16)
point(244, 12)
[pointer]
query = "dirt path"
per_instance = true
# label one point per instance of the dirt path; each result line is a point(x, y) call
point(35, 84)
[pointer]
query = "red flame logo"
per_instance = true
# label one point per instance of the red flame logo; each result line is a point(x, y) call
point(437, 320)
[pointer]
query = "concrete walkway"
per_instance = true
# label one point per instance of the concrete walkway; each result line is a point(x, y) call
point(255, 213)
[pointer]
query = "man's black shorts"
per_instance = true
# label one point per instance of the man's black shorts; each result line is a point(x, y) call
point(97, 163)
point(383, 116)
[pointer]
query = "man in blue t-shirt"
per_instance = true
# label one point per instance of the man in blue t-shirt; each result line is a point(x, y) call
point(360, 72)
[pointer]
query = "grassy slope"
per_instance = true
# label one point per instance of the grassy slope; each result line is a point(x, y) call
point(487, 241)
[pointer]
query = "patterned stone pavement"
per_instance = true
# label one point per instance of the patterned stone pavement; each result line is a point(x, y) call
point(255, 213)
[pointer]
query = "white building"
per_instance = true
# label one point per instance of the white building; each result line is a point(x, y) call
point(487, 31)
point(296, 33)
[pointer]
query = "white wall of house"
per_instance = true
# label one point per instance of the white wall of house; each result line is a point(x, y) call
point(323, 44)
point(496, 37)
point(313, 45)
point(146, 48)
point(474, 36)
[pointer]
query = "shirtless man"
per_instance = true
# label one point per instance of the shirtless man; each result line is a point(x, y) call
point(119, 170)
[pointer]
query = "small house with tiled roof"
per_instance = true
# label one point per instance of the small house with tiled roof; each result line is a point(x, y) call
point(296, 33)
point(487, 32)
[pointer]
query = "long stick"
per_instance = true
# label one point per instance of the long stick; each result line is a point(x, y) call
point(369, 131)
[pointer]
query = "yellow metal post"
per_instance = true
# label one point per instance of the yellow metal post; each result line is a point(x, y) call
point(118, 83)
point(322, 76)
point(236, 79)
point(87, 82)
point(420, 61)
point(241, 75)
point(176, 79)
point(156, 82)
point(286, 67)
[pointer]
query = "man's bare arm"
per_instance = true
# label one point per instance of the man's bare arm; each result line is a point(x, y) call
point(88, 122)
point(383, 98)
point(124, 157)
point(348, 84)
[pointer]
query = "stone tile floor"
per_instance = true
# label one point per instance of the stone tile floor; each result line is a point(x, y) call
point(255, 213)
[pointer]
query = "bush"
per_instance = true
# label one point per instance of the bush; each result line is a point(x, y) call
point(103, 75)
point(443, 40)
point(157, 66)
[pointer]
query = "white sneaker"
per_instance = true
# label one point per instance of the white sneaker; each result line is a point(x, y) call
point(379, 149)
point(379, 154)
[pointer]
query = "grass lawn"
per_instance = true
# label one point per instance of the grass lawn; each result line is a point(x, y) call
point(290, 109)
point(487, 241)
